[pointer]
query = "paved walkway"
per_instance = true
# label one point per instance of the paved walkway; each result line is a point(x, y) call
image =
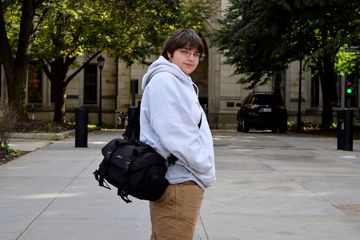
point(268, 187)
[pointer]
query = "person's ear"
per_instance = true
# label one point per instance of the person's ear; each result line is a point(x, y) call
point(169, 55)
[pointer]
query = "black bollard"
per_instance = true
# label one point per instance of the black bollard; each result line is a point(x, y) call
point(81, 129)
point(345, 130)
point(348, 120)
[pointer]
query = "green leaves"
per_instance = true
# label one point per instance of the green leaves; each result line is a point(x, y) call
point(348, 59)
point(262, 36)
point(129, 29)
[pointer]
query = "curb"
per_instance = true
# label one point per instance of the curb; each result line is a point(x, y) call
point(43, 136)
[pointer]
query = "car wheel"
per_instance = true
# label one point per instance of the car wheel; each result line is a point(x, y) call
point(245, 127)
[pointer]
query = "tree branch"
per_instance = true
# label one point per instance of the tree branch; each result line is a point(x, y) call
point(45, 67)
point(81, 67)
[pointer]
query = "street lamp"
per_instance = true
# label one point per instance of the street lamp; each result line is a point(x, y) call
point(100, 61)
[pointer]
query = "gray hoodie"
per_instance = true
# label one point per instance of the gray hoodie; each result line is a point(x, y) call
point(169, 117)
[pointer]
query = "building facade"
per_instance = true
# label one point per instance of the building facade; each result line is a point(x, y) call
point(219, 89)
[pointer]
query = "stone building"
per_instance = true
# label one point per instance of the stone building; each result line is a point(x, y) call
point(219, 89)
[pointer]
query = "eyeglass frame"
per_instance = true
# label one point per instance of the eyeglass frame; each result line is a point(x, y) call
point(188, 53)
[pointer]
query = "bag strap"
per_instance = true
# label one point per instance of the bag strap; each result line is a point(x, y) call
point(199, 124)
point(171, 160)
point(124, 196)
point(101, 180)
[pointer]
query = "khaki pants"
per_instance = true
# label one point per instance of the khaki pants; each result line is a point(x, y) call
point(174, 215)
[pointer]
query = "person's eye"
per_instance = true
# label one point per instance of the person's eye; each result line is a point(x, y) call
point(184, 52)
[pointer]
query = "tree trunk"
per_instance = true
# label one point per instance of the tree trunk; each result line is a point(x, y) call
point(57, 76)
point(16, 68)
point(15, 73)
point(328, 86)
point(60, 98)
point(16, 84)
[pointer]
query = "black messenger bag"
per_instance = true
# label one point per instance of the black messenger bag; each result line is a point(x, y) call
point(134, 168)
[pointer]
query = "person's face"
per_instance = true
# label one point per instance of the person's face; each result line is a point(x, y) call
point(186, 59)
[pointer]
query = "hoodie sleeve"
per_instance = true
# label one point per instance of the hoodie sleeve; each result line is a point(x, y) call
point(174, 115)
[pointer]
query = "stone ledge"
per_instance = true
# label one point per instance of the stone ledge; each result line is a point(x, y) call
point(43, 136)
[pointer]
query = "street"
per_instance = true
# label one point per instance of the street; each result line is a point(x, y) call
point(273, 186)
point(269, 187)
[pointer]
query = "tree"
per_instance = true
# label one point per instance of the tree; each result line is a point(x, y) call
point(130, 30)
point(71, 28)
point(58, 32)
point(261, 37)
point(16, 36)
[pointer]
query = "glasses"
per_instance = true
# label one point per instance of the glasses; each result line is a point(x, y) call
point(188, 53)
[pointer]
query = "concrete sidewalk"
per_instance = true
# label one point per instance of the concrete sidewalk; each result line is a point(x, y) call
point(268, 187)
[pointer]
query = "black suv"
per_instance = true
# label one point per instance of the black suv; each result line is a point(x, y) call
point(262, 111)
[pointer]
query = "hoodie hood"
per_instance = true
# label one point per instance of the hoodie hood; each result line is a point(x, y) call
point(163, 65)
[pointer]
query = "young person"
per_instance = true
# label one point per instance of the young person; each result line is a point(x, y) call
point(173, 122)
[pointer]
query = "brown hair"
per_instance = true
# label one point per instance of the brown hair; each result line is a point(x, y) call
point(182, 38)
